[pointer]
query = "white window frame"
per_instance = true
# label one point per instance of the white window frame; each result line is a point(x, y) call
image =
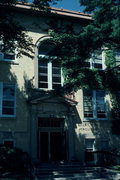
point(1, 100)
point(94, 102)
point(49, 74)
point(92, 63)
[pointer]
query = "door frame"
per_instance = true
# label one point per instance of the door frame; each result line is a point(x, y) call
point(49, 149)
point(59, 127)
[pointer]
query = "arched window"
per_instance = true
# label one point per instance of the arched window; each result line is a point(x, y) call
point(49, 70)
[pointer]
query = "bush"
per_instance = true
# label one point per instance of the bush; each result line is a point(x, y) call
point(13, 160)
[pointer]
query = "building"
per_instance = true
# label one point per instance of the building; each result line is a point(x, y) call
point(32, 117)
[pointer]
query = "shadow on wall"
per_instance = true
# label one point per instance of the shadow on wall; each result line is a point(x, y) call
point(11, 126)
point(99, 130)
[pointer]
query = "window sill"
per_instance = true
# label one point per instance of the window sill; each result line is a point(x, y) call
point(93, 119)
point(8, 116)
point(15, 62)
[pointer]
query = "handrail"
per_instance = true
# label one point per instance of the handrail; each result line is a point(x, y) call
point(106, 158)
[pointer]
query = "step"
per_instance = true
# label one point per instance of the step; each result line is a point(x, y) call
point(61, 172)
point(82, 176)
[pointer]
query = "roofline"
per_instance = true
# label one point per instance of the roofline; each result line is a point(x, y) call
point(56, 11)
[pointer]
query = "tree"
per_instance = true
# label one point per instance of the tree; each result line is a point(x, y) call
point(102, 31)
point(13, 35)
point(106, 15)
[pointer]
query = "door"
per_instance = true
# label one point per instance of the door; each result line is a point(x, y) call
point(44, 151)
point(52, 146)
point(56, 146)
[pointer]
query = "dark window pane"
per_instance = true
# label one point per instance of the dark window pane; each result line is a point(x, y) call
point(8, 111)
point(56, 79)
point(43, 85)
point(55, 64)
point(101, 115)
point(88, 114)
point(8, 103)
point(100, 93)
point(88, 103)
point(43, 78)
point(8, 91)
point(98, 66)
point(42, 63)
point(9, 144)
point(48, 122)
point(55, 86)
point(56, 71)
point(9, 56)
point(42, 70)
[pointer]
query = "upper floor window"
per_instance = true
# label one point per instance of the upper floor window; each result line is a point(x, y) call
point(94, 104)
point(7, 99)
point(96, 61)
point(7, 54)
point(49, 70)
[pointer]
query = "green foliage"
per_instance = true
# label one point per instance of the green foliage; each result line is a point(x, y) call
point(73, 52)
point(13, 160)
point(11, 33)
point(106, 15)
point(110, 58)
point(102, 32)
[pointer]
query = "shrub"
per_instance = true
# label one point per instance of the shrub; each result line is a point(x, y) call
point(13, 160)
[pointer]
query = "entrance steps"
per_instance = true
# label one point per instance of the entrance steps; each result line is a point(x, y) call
point(73, 172)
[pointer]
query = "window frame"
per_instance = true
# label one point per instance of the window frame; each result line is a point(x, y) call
point(2, 99)
point(90, 150)
point(8, 60)
point(49, 73)
point(94, 106)
point(117, 57)
point(92, 63)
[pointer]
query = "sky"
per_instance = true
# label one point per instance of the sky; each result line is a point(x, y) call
point(73, 5)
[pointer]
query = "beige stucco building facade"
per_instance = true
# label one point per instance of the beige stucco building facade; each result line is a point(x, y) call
point(48, 126)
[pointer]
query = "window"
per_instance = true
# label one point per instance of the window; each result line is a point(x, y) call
point(7, 55)
point(96, 61)
point(50, 122)
point(117, 56)
point(94, 104)
point(89, 149)
point(49, 71)
point(7, 100)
